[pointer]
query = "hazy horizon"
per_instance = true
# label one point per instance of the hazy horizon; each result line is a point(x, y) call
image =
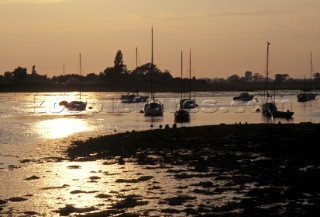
point(226, 37)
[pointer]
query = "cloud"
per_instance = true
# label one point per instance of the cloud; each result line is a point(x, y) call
point(30, 1)
point(254, 13)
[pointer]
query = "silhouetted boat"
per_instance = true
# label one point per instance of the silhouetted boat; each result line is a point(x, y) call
point(152, 107)
point(306, 94)
point(134, 97)
point(182, 115)
point(269, 108)
point(244, 97)
point(188, 103)
point(77, 105)
point(74, 105)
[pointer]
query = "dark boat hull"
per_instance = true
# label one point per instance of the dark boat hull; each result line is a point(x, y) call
point(305, 97)
point(181, 116)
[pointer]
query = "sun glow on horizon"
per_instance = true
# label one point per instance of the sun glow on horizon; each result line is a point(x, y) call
point(226, 37)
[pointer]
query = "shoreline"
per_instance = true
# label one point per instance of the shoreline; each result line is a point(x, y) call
point(280, 162)
point(187, 136)
point(224, 170)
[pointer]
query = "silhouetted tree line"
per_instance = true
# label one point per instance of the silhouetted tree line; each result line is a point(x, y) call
point(119, 78)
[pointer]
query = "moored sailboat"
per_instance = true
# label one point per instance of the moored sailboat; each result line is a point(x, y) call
point(181, 115)
point(306, 94)
point(77, 105)
point(153, 106)
point(269, 108)
point(134, 97)
point(188, 103)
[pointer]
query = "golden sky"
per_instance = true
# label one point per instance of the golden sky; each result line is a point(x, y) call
point(226, 36)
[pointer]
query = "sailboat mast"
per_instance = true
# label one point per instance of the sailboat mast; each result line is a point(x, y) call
point(181, 67)
point(151, 72)
point(311, 65)
point(267, 70)
point(80, 74)
point(190, 76)
point(137, 70)
point(63, 71)
point(136, 57)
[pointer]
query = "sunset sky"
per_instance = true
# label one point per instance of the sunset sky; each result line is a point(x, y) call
point(226, 36)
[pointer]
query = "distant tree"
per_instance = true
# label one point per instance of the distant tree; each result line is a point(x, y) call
point(316, 76)
point(114, 75)
point(248, 76)
point(142, 70)
point(92, 77)
point(233, 78)
point(118, 63)
point(8, 76)
point(20, 74)
point(281, 77)
point(257, 77)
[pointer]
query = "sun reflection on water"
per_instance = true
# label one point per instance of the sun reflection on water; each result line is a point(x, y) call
point(61, 127)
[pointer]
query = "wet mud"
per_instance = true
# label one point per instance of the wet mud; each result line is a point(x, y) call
point(224, 170)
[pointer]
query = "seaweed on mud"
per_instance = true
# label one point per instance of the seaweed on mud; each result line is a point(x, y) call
point(171, 211)
point(204, 192)
point(17, 199)
point(82, 192)
point(266, 165)
point(140, 179)
point(193, 175)
point(32, 178)
point(129, 201)
point(68, 209)
point(56, 187)
point(103, 196)
point(104, 213)
point(204, 184)
point(27, 161)
point(154, 188)
point(30, 213)
point(74, 167)
point(179, 200)
point(94, 178)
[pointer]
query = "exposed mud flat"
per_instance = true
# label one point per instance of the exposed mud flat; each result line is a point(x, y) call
point(225, 170)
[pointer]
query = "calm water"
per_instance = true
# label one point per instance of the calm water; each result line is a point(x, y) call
point(34, 128)
point(33, 116)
